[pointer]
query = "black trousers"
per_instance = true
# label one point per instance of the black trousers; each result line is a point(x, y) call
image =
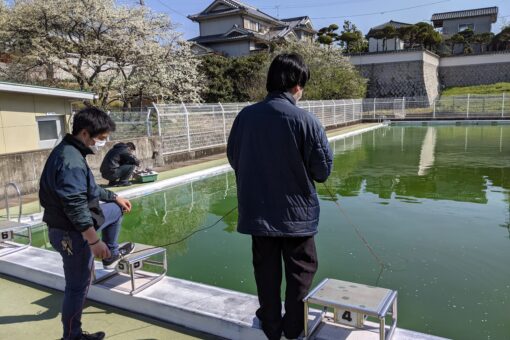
point(300, 260)
point(123, 174)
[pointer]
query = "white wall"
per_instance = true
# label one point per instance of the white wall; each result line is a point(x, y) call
point(219, 25)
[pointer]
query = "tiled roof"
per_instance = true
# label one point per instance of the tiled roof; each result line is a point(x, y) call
point(236, 6)
point(493, 11)
point(235, 33)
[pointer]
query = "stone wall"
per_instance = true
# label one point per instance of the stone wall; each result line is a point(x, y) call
point(399, 74)
point(472, 70)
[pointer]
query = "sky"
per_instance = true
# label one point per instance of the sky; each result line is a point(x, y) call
point(363, 13)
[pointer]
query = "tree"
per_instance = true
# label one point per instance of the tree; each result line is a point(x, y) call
point(352, 39)
point(327, 35)
point(501, 41)
point(118, 52)
point(389, 32)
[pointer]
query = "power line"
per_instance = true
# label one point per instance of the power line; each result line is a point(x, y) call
point(384, 12)
point(295, 5)
point(171, 9)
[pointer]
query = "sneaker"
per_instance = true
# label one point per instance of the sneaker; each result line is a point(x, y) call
point(93, 336)
point(125, 249)
point(112, 183)
point(124, 184)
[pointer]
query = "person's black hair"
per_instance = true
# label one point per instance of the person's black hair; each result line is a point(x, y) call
point(286, 71)
point(131, 146)
point(95, 121)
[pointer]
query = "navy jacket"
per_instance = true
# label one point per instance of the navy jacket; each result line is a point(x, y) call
point(68, 191)
point(277, 151)
point(117, 156)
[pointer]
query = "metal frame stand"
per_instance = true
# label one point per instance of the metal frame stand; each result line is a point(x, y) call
point(132, 264)
point(10, 229)
point(352, 303)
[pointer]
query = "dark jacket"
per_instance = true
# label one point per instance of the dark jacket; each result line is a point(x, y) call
point(68, 191)
point(277, 151)
point(117, 156)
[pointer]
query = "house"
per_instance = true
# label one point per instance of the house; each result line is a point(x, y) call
point(34, 117)
point(479, 20)
point(376, 41)
point(233, 28)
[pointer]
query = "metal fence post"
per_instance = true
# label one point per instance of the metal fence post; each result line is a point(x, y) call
point(149, 132)
point(353, 114)
point(187, 125)
point(467, 109)
point(374, 106)
point(334, 112)
point(224, 124)
point(503, 106)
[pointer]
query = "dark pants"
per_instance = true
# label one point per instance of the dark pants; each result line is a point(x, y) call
point(300, 260)
point(122, 174)
point(79, 265)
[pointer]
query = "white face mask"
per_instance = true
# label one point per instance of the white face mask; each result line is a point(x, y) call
point(99, 144)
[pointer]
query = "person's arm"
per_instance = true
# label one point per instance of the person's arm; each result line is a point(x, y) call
point(72, 192)
point(232, 144)
point(321, 158)
point(128, 158)
point(109, 196)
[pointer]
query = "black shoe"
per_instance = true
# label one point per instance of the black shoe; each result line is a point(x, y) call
point(112, 183)
point(124, 184)
point(123, 251)
point(94, 336)
point(126, 248)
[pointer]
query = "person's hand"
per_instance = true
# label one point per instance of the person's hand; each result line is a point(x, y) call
point(100, 249)
point(124, 204)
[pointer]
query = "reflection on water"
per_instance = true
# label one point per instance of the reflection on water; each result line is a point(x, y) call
point(433, 202)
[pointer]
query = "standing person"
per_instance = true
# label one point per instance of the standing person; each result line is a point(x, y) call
point(119, 163)
point(70, 197)
point(277, 151)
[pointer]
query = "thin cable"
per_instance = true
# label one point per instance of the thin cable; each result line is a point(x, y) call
point(384, 12)
point(380, 262)
point(189, 235)
point(171, 9)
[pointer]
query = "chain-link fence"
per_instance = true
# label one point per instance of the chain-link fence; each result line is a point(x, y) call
point(188, 127)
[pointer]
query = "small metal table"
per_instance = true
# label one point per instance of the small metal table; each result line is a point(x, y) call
point(131, 265)
point(8, 231)
point(352, 303)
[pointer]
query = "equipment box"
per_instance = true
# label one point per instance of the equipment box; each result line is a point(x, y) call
point(145, 177)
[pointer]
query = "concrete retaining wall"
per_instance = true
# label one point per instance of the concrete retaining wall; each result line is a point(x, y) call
point(472, 70)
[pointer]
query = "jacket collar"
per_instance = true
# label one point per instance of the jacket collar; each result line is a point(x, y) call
point(84, 150)
point(282, 95)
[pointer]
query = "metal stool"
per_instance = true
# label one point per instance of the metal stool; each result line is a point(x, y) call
point(352, 303)
point(130, 268)
point(9, 230)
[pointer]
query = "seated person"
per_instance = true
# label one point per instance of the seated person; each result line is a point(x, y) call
point(119, 163)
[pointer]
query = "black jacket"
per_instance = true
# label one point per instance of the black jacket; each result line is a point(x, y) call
point(117, 156)
point(277, 151)
point(68, 191)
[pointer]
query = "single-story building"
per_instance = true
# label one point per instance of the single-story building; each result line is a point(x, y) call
point(34, 117)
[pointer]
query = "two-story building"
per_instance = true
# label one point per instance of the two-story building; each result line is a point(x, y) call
point(479, 20)
point(233, 28)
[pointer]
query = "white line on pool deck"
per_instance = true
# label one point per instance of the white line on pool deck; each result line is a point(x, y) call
point(221, 312)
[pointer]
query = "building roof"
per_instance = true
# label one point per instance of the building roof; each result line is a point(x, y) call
point(235, 33)
point(395, 24)
point(438, 18)
point(235, 7)
point(45, 91)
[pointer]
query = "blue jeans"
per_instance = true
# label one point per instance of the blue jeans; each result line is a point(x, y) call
point(79, 265)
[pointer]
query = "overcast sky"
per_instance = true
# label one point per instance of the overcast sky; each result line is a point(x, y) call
point(363, 13)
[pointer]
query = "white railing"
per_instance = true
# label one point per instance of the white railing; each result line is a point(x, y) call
point(188, 127)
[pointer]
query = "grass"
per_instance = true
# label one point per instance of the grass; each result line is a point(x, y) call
point(497, 88)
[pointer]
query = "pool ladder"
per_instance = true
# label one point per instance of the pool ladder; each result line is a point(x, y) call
point(6, 197)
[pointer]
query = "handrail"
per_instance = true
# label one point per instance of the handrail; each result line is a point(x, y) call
point(20, 201)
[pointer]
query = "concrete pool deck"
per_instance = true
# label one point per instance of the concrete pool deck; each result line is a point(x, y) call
point(220, 312)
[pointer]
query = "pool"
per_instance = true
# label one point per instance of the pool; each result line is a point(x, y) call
point(432, 201)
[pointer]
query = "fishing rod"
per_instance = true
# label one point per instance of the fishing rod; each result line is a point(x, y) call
point(359, 234)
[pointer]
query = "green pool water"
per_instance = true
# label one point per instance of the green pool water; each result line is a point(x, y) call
point(433, 202)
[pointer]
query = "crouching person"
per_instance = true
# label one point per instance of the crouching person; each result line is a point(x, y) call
point(70, 197)
point(119, 163)
point(277, 151)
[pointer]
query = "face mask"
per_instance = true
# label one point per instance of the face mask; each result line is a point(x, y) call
point(98, 145)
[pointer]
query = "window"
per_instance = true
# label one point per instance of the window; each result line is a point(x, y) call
point(251, 25)
point(50, 131)
point(463, 27)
